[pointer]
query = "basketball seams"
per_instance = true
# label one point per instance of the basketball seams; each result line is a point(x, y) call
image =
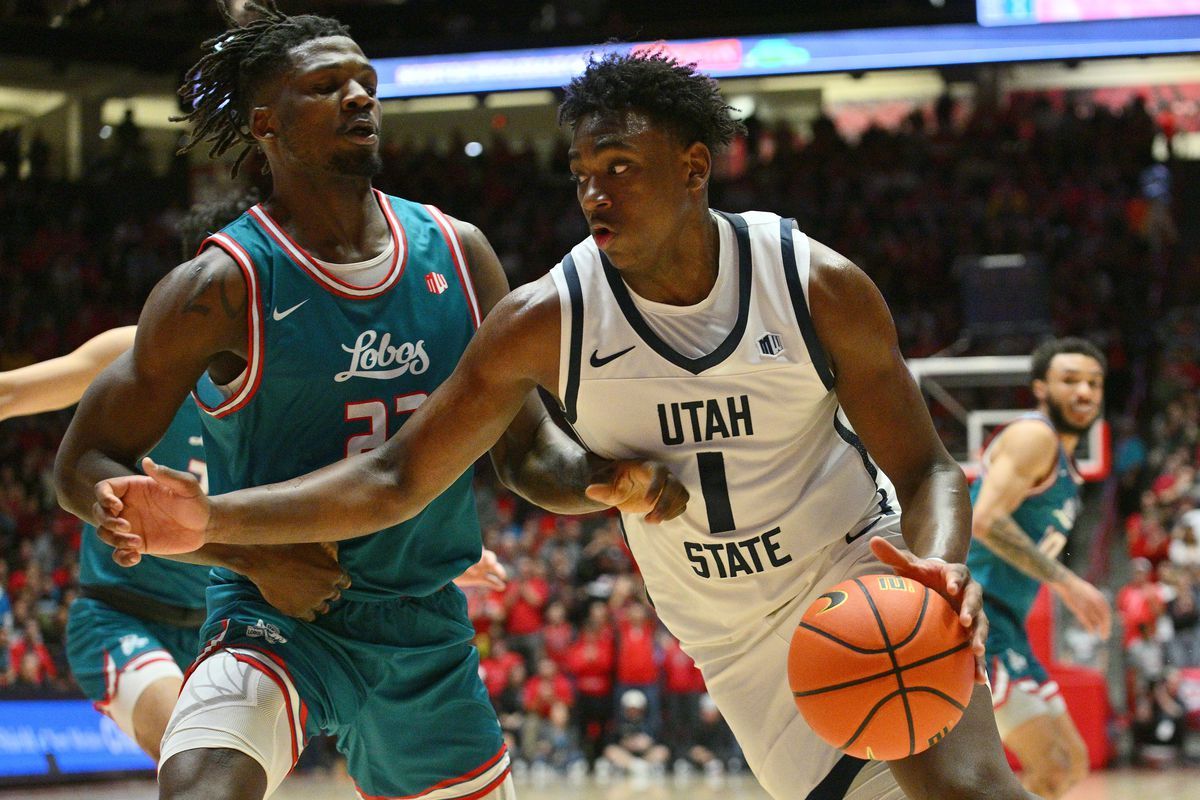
point(938, 693)
point(870, 715)
point(912, 734)
point(836, 640)
point(920, 619)
point(877, 676)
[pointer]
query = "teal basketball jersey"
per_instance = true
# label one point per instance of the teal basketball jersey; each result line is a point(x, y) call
point(335, 369)
point(182, 448)
point(1049, 511)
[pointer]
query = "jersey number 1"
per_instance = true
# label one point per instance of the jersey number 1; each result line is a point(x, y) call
point(715, 489)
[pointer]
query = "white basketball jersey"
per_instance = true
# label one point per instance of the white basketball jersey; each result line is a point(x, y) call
point(753, 430)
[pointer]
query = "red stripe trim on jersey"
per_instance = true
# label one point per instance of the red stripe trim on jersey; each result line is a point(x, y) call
point(254, 335)
point(287, 692)
point(111, 679)
point(112, 675)
point(211, 646)
point(130, 667)
point(449, 782)
point(460, 260)
point(324, 277)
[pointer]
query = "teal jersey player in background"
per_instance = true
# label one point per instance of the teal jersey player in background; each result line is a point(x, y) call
point(131, 633)
point(1025, 503)
point(326, 315)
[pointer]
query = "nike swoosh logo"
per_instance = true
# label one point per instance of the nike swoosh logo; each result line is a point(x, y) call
point(596, 361)
point(873, 523)
point(278, 315)
point(195, 441)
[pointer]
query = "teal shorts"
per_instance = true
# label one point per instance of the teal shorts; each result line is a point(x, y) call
point(1008, 646)
point(396, 681)
point(103, 643)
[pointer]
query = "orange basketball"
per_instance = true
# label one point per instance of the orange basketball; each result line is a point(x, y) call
point(881, 667)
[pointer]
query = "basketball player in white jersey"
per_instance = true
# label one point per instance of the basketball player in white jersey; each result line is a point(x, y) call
point(730, 347)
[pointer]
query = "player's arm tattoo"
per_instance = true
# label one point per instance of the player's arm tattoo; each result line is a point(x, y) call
point(193, 304)
point(204, 281)
point(1006, 539)
point(232, 311)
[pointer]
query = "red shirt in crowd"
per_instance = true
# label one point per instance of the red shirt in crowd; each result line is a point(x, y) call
point(525, 599)
point(1139, 606)
point(680, 673)
point(46, 668)
point(556, 640)
point(495, 670)
point(590, 661)
point(541, 693)
point(635, 653)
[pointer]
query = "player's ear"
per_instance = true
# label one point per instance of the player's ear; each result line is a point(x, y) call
point(262, 123)
point(699, 165)
point(1040, 390)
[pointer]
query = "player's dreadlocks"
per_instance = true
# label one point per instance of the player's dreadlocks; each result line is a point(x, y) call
point(204, 219)
point(654, 83)
point(221, 86)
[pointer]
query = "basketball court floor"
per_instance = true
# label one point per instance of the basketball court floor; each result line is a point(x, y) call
point(1174, 784)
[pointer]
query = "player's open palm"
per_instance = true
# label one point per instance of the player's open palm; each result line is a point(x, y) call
point(1088, 604)
point(163, 512)
point(637, 486)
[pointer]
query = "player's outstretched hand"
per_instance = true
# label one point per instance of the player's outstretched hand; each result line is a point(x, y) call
point(1088, 605)
point(951, 581)
point(487, 572)
point(301, 580)
point(638, 486)
point(163, 512)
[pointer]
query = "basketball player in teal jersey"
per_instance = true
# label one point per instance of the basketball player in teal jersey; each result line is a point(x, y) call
point(728, 346)
point(131, 633)
point(1025, 503)
point(326, 316)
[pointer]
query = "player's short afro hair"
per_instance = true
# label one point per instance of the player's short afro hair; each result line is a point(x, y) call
point(669, 93)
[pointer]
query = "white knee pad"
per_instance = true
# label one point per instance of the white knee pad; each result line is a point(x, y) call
point(241, 700)
point(125, 688)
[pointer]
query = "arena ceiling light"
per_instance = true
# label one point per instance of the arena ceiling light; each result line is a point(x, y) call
point(30, 102)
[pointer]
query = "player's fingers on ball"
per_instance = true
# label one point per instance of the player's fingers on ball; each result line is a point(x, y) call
point(889, 554)
point(957, 577)
point(979, 635)
point(972, 603)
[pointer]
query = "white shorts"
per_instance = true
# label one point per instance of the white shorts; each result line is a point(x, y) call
point(125, 688)
point(748, 680)
point(239, 700)
point(1016, 701)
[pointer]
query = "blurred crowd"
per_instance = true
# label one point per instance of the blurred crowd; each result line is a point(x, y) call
point(1160, 496)
point(576, 664)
